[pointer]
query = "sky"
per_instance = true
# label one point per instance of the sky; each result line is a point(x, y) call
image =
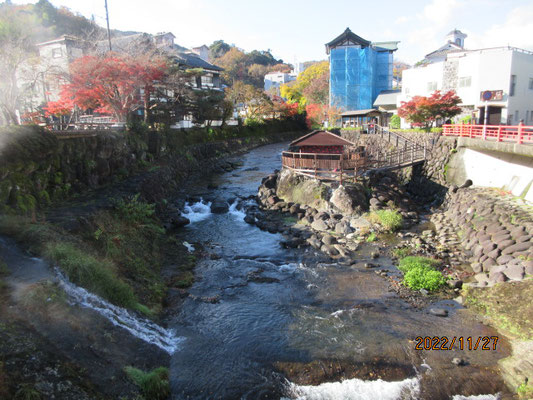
point(297, 30)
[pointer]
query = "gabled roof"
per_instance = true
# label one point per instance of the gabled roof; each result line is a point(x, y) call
point(442, 51)
point(194, 61)
point(347, 36)
point(321, 138)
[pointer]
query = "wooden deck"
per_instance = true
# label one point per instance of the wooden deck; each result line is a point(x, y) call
point(350, 165)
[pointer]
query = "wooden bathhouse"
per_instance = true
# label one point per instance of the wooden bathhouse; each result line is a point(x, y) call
point(323, 155)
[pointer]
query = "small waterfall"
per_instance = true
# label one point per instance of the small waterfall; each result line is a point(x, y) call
point(357, 389)
point(138, 327)
point(197, 212)
point(236, 209)
point(478, 397)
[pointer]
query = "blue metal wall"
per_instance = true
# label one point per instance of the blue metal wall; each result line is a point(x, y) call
point(357, 76)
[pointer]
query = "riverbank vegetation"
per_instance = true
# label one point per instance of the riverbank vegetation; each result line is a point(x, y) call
point(420, 273)
point(390, 220)
point(154, 384)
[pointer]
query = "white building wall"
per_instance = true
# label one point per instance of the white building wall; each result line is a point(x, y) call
point(522, 101)
point(488, 69)
point(277, 79)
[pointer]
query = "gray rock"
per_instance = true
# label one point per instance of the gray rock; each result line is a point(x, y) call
point(497, 277)
point(458, 361)
point(477, 267)
point(219, 207)
point(517, 247)
point(349, 199)
point(514, 272)
point(329, 250)
point(439, 312)
point(504, 259)
point(319, 225)
point(329, 240)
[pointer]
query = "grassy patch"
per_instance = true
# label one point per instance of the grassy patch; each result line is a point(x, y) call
point(419, 273)
point(525, 391)
point(154, 385)
point(371, 238)
point(27, 392)
point(96, 275)
point(390, 220)
point(402, 252)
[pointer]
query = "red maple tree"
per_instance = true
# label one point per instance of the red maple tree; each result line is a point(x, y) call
point(111, 84)
point(424, 111)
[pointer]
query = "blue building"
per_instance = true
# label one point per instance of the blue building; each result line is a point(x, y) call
point(359, 70)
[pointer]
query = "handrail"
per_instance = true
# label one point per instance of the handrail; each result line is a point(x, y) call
point(521, 134)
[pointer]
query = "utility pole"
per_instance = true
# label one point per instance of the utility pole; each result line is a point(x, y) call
point(108, 31)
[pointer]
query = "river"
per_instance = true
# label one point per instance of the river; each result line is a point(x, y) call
point(267, 322)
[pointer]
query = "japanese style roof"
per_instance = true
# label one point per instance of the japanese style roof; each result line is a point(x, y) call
point(192, 60)
point(359, 113)
point(347, 37)
point(387, 98)
point(321, 138)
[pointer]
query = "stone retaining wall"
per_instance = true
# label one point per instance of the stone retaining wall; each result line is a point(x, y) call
point(37, 168)
point(495, 231)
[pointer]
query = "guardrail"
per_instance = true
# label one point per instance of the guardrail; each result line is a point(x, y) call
point(521, 134)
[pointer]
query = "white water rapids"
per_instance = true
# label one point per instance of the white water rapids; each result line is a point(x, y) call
point(357, 389)
point(139, 327)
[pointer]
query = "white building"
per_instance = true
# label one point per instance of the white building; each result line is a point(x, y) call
point(502, 75)
point(276, 79)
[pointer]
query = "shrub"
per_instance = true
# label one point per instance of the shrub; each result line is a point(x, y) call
point(391, 220)
point(96, 276)
point(154, 385)
point(419, 273)
point(401, 252)
point(395, 122)
point(408, 263)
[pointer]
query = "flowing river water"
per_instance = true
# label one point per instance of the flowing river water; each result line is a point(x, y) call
point(264, 322)
point(282, 313)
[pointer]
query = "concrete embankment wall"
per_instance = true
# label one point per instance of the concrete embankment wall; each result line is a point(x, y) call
point(38, 168)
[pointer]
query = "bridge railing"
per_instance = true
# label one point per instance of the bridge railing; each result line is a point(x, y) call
point(521, 134)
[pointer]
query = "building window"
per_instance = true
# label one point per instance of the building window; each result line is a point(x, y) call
point(56, 53)
point(513, 85)
point(465, 81)
point(531, 83)
point(207, 80)
point(432, 86)
point(516, 116)
point(406, 90)
point(527, 116)
point(531, 116)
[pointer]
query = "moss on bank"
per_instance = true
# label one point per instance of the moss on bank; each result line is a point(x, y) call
point(506, 305)
point(154, 385)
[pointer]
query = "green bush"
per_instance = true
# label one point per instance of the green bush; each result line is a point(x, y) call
point(371, 238)
point(134, 210)
point(96, 276)
point(419, 273)
point(391, 220)
point(395, 122)
point(154, 385)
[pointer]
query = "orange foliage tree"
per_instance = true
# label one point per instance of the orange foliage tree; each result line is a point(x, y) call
point(110, 84)
point(424, 111)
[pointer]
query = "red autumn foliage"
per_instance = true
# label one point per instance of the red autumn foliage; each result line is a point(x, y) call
point(315, 114)
point(109, 84)
point(423, 111)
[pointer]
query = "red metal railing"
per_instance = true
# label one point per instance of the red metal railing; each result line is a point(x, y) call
point(520, 134)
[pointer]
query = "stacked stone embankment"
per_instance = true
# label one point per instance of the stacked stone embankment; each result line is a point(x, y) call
point(495, 231)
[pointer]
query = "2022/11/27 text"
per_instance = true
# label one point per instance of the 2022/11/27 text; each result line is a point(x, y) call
point(457, 342)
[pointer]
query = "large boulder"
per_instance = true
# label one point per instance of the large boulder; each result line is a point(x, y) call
point(305, 191)
point(350, 199)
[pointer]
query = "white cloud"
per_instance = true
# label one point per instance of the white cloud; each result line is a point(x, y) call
point(439, 12)
point(515, 31)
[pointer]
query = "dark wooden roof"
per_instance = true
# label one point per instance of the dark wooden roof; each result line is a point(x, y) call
point(360, 113)
point(321, 138)
point(347, 35)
